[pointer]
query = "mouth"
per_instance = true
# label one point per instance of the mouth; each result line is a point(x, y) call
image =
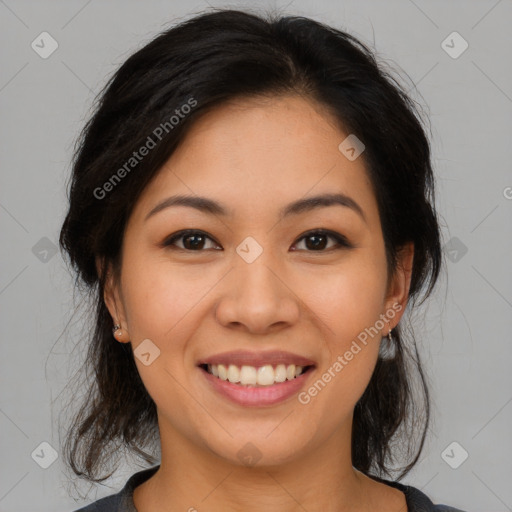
point(256, 379)
point(256, 376)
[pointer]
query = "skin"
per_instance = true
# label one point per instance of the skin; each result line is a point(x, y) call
point(255, 156)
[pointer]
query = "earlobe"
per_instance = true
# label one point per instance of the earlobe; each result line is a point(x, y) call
point(401, 282)
point(113, 301)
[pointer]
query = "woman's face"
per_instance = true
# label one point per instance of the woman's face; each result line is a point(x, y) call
point(257, 278)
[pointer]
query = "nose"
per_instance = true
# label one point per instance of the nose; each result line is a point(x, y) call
point(256, 298)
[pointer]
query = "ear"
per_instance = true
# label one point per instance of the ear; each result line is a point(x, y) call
point(398, 289)
point(112, 298)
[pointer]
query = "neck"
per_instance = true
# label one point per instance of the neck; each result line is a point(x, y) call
point(192, 477)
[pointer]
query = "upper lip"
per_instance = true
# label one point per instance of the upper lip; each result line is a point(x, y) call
point(245, 357)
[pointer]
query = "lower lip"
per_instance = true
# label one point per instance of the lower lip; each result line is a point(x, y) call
point(257, 396)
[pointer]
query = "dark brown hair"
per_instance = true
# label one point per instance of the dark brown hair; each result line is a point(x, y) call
point(213, 58)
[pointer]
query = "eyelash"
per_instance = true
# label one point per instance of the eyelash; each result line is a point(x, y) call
point(342, 242)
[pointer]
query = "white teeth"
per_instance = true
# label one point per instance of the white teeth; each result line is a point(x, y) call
point(233, 373)
point(265, 375)
point(223, 373)
point(255, 376)
point(248, 375)
point(280, 373)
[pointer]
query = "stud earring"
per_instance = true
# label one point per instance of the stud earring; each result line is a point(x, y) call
point(118, 334)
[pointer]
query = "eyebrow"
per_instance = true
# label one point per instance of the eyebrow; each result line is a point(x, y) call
point(209, 206)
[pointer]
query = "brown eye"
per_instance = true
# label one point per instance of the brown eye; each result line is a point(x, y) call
point(317, 241)
point(197, 241)
point(192, 240)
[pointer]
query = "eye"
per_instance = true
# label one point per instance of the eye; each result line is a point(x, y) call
point(193, 240)
point(316, 241)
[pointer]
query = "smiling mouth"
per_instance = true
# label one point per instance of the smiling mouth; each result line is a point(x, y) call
point(252, 376)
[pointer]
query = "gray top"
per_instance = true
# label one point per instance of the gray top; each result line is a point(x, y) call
point(123, 500)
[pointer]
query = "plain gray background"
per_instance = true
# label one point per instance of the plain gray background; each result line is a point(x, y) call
point(464, 335)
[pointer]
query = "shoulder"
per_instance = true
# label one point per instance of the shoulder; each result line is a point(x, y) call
point(107, 504)
point(123, 500)
point(416, 500)
point(446, 508)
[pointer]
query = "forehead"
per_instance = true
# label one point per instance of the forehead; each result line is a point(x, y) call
point(255, 155)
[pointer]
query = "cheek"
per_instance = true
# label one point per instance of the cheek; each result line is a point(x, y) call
point(349, 302)
point(161, 304)
point(348, 299)
point(349, 305)
point(159, 297)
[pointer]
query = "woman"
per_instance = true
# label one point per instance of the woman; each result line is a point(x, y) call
point(251, 208)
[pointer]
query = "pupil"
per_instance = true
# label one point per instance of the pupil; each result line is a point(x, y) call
point(195, 244)
point(316, 244)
